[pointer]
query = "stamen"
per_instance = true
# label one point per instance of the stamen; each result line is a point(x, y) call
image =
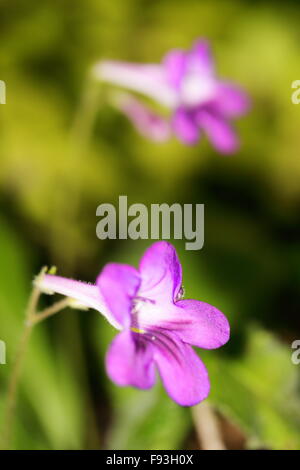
point(138, 330)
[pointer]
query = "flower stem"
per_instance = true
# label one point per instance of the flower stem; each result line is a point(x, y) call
point(48, 312)
point(207, 427)
point(31, 319)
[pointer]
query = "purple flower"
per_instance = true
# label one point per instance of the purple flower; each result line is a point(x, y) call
point(157, 325)
point(185, 83)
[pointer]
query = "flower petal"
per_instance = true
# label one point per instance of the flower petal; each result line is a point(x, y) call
point(206, 326)
point(119, 283)
point(219, 132)
point(200, 58)
point(129, 361)
point(230, 100)
point(161, 273)
point(148, 79)
point(86, 294)
point(182, 372)
point(185, 126)
point(174, 64)
point(146, 121)
point(198, 85)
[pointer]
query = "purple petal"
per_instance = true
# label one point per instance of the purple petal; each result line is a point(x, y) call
point(161, 273)
point(129, 361)
point(148, 79)
point(219, 132)
point(200, 58)
point(182, 372)
point(119, 283)
point(147, 122)
point(231, 101)
point(87, 295)
point(174, 64)
point(198, 85)
point(207, 327)
point(185, 126)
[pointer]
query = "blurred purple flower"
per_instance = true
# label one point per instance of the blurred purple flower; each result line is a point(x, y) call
point(158, 326)
point(185, 83)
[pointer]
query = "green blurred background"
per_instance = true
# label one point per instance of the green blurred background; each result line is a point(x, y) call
point(64, 151)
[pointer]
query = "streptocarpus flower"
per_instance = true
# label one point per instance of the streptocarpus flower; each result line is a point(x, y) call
point(157, 325)
point(185, 83)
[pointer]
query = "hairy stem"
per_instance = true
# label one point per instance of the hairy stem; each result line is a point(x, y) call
point(31, 319)
point(48, 312)
point(207, 427)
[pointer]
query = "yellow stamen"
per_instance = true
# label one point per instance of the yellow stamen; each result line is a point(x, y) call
point(137, 330)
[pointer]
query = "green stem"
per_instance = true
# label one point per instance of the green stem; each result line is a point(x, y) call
point(32, 318)
point(48, 312)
